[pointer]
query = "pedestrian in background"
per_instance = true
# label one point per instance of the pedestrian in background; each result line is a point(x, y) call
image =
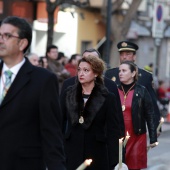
point(127, 52)
point(30, 114)
point(62, 59)
point(43, 62)
point(71, 66)
point(33, 58)
point(138, 111)
point(91, 122)
point(55, 66)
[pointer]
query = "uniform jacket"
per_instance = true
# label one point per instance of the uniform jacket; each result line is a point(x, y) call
point(97, 138)
point(30, 122)
point(110, 85)
point(145, 79)
point(143, 113)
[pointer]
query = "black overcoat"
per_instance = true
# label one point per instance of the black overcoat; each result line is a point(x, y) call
point(30, 122)
point(110, 85)
point(97, 138)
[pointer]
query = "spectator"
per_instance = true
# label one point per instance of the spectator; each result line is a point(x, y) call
point(162, 90)
point(62, 58)
point(72, 64)
point(55, 66)
point(43, 62)
point(33, 58)
point(149, 67)
point(168, 93)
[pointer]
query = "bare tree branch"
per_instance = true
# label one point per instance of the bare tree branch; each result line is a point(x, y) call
point(51, 6)
point(117, 5)
point(129, 15)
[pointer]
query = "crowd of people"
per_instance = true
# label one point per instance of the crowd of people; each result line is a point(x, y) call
point(55, 112)
point(57, 63)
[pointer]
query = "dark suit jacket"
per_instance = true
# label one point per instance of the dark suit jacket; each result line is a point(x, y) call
point(110, 85)
point(30, 122)
point(144, 78)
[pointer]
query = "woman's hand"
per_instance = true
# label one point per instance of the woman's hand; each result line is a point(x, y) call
point(154, 144)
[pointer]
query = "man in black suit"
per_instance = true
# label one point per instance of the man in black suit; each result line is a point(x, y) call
point(30, 116)
point(110, 85)
point(127, 51)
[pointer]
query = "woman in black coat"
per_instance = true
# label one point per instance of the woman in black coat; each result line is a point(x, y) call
point(91, 122)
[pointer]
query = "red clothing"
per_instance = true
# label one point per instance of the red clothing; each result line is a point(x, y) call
point(136, 147)
point(161, 93)
point(71, 69)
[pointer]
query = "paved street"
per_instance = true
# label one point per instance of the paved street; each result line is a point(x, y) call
point(159, 157)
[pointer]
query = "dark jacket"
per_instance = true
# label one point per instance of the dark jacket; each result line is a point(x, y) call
point(97, 138)
point(30, 122)
point(145, 79)
point(110, 85)
point(143, 113)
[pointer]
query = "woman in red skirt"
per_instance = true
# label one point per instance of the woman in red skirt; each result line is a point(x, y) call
point(138, 112)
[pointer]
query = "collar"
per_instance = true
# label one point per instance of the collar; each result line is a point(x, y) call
point(13, 69)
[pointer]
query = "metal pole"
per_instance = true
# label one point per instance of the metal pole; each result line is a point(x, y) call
point(108, 33)
point(157, 51)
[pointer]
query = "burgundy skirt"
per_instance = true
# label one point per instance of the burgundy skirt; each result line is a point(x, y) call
point(136, 147)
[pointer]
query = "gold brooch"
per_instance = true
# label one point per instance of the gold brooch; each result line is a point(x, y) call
point(113, 78)
point(124, 44)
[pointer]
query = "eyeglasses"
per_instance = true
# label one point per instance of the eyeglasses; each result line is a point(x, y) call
point(7, 36)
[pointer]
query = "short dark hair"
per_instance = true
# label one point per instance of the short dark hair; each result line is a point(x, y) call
point(25, 29)
point(41, 62)
point(49, 48)
point(60, 55)
point(92, 50)
point(73, 57)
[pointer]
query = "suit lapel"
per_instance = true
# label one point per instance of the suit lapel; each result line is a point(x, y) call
point(21, 79)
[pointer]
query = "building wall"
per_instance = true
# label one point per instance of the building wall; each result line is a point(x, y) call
point(90, 28)
point(147, 53)
point(65, 35)
point(69, 32)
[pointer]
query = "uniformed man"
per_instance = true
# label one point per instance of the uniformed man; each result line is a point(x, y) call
point(127, 51)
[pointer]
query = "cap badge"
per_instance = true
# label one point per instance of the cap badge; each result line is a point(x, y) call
point(124, 44)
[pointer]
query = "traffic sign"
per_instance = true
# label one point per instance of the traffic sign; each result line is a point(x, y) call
point(158, 22)
point(159, 12)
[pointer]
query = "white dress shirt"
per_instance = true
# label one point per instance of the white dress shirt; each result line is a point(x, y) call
point(13, 69)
